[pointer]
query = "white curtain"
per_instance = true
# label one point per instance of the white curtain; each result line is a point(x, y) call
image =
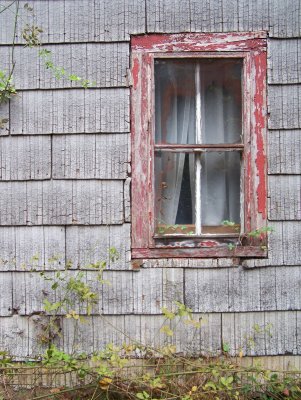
point(175, 123)
point(177, 127)
point(220, 179)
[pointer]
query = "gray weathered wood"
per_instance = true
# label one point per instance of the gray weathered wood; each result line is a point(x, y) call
point(36, 333)
point(7, 19)
point(29, 291)
point(268, 292)
point(127, 200)
point(19, 337)
point(206, 16)
point(284, 153)
point(74, 21)
point(72, 111)
point(284, 58)
point(79, 26)
point(119, 294)
point(109, 330)
point(284, 106)
point(144, 330)
point(268, 333)
point(239, 290)
point(282, 338)
point(89, 245)
point(39, 248)
point(76, 337)
point(107, 64)
point(173, 287)
point(120, 239)
point(240, 295)
point(103, 64)
point(168, 16)
point(61, 203)
point(25, 158)
point(281, 18)
point(205, 340)
point(14, 336)
point(27, 248)
point(244, 332)
point(284, 246)
point(90, 156)
point(292, 243)
point(288, 288)
point(284, 18)
point(299, 334)
point(284, 197)
point(96, 203)
point(253, 15)
point(207, 290)
point(148, 291)
point(7, 249)
point(150, 331)
point(86, 245)
point(4, 119)
point(6, 300)
point(230, 15)
point(211, 332)
point(116, 20)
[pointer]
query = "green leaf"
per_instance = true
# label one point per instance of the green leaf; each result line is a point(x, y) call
point(73, 77)
point(168, 314)
point(231, 246)
point(226, 347)
point(166, 329)
point(210, 385)
point(228, 223)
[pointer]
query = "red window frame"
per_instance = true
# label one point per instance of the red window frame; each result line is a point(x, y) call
point(251, 47)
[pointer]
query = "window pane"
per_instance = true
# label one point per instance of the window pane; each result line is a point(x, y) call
point(175, 101)
point(220, 97)
point(220, 189)
point(221, 101)
point(174, 192)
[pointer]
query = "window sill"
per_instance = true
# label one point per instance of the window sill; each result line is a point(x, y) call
point(209, 252)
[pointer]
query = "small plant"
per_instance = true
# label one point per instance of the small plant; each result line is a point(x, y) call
point(260, 232)
point(31, 35)
point(60, 72)
point(74, 293)
point(7, 88)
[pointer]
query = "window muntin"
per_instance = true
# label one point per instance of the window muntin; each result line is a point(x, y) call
point(198, 102)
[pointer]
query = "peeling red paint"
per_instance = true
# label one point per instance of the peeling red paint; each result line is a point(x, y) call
point(261, 67)
point(198, 42)
point(250, 46)
point(135, 72)
point(240, 251)
point(208, 243)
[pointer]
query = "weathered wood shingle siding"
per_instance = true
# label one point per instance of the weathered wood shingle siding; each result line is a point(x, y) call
point(65, 182)
point(84, 59)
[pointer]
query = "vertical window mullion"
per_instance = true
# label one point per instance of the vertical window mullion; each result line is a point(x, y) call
point(198, 118)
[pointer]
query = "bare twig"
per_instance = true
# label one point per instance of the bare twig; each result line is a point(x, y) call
point(5, 8)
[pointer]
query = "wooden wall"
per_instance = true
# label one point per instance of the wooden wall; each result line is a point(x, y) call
point(65, 173)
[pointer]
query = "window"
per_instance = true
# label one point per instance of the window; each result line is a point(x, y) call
point(198, 128)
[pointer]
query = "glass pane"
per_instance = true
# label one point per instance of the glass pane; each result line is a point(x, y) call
point(221, 101)
point(174, 193)
point(175, 101)
point(220, 96)
point(220, 192)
